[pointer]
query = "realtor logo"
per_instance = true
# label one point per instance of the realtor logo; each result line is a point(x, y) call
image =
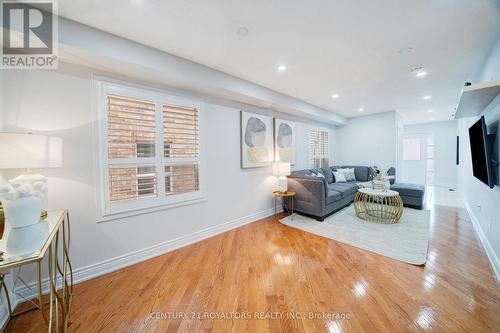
point(29, 35)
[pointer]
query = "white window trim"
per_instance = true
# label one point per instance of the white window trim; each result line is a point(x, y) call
point(321, 129)
point(116, 210)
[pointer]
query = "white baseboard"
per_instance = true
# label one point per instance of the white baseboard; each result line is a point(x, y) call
point(110, 265)
point(495, 263)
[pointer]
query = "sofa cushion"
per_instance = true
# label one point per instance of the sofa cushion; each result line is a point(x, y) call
point(328, 175)
point(333, 196)
point(362, 173)
point(345, 189)
point(301, 173)
point(409, 190)
point(317, 170)
point(307, 174)
point(335, 167)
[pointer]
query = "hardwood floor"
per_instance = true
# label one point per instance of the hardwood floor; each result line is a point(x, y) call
point(280, 271)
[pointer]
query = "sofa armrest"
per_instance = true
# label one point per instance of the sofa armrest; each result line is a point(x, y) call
point(311, 194)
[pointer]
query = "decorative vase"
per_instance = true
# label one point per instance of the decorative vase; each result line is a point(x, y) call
point(378, 185)
point(22, 212)
point(26, 240)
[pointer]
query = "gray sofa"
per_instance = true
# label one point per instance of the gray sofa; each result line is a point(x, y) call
point(320, 197)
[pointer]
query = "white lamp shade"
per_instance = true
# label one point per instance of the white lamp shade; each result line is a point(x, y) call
point(19, 151)
point(281, 169)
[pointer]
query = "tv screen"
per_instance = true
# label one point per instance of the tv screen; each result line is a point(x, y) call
point(482, 165)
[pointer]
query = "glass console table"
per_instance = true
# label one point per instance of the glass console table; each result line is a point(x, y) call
point(50, 238)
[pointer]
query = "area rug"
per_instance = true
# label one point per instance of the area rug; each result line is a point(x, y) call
point(406, 241)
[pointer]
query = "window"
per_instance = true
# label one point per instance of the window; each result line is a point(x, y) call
point(318, 148)
point(150, 145)
point(411, 148)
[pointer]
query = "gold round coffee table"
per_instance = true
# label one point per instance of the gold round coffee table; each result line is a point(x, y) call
point(378, 206)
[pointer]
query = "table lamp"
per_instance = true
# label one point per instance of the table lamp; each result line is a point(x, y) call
point(281, 170)
point(28, 151)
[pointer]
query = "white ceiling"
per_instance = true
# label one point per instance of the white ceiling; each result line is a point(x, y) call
point(344, 46)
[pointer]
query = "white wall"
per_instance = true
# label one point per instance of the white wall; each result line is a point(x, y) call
point(481, 201)
point(445, 168)
point(367, 140)
point(59, 103)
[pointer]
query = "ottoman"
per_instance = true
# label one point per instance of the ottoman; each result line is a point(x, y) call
point(411, 194)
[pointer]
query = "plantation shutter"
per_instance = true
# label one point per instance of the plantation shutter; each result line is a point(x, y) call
point(131, 130)
point(181, 149)
point(318, 148)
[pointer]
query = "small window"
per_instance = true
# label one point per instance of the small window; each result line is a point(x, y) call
point(131, 183)
point(181, 178)
point(145, 149)
point(319, 148)
point(149, 136)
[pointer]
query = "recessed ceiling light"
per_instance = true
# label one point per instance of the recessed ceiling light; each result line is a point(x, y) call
point(419, 71)
point(281, 68)
point(432, 119)
point(361, 110)
point(335, 96)
point(430, 110)
point(428, 97)
point(242, 31)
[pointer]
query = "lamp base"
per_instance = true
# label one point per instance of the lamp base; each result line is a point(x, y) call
point(23, 212)
point(282, 184)
point(39, 184)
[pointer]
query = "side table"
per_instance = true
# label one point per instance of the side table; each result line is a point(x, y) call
point(54, 246)
point(285, 196)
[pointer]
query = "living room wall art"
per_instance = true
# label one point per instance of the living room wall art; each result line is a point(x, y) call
point(256, 140)
point(284, 140)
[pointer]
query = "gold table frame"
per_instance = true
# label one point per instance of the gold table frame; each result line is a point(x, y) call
point(60, 271)
point(284, 196)
point(382, 207)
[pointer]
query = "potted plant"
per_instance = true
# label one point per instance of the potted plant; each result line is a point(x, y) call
point(379, 180)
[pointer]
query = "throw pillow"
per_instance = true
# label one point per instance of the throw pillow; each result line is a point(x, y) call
point(328, 174)
point(350, 173)
point(320, 175)
point(339, 177)
point(317, 175)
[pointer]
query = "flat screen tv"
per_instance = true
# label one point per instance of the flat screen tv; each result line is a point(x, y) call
point(480, 145)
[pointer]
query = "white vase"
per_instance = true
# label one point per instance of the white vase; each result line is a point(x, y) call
point(378, 185)
point(26, 240)
point(22, 212)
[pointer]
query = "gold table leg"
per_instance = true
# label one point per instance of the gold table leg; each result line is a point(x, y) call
point(63, 269)
point(67, 287)
point(39, 282)
point(4, 287)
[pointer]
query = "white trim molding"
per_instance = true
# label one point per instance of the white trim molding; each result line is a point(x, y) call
point(110, 210)
point(494, 261)
point(111, 265)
